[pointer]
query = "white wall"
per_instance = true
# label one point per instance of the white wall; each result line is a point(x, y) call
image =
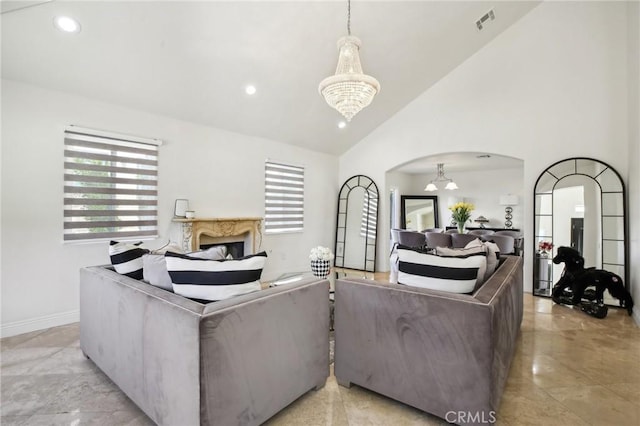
point(633, 186)
point(221, 173)
point(481, 188)
point(550, 87)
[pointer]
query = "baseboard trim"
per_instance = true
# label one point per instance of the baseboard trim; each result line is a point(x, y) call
point(636, 315)
point(40, 323)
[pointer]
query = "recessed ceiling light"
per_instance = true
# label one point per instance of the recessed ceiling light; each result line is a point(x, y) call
point(66, 24)
point(250, 90)
point(342, 124)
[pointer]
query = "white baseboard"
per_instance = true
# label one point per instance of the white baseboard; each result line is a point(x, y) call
point(40, 323)
point(636, 315)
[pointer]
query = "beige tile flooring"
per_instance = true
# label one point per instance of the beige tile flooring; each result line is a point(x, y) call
point(569, 369)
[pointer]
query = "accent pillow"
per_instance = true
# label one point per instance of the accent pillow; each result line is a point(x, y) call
point(445, 273)
point(214, 279)
point(154, 271)
point(126, 258)
point(493, 257)
point(493, 254)
point(460, 252)
point(212, 253)
point(170, 246)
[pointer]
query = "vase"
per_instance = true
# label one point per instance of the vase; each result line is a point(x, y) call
point(320, 268)
point(461, 227)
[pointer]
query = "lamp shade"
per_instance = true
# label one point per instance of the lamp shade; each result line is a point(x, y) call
point(451, 185)
point(431, 187)
point(509, 200)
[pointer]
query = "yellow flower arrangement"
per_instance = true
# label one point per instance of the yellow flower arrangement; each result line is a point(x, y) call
point(461, 212)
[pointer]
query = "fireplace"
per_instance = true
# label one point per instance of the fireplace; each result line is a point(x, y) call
point(198, 233)
point(236, 249)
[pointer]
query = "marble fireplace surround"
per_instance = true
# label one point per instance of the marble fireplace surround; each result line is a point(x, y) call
point(199, 231)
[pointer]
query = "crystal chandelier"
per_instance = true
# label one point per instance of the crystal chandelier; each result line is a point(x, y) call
point(349, 90)
point(441, 178)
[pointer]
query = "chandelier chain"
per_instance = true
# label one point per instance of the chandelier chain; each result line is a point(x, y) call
point(349, 17)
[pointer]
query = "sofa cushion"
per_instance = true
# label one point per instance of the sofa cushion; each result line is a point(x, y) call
point(214, 279)
point(154, 271)
point(493, 255)
point(154, 266)
point(212, 253)
point(126, 258)
point(455, 274)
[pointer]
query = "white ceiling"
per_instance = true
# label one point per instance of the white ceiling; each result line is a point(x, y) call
point(192, 60)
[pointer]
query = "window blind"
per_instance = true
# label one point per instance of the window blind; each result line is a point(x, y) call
point(110, 186)
point(284, 198)
point(369, 215)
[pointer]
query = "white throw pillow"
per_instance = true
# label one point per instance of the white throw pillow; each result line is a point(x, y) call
point(212, 253)
point(154, 268)
point(446, 273)
point(126, 258)
point(493, 257)
point(214, 279)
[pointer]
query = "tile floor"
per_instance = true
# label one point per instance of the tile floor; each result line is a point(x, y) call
point(569, 369)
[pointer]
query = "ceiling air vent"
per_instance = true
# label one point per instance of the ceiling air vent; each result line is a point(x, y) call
point(489, 16)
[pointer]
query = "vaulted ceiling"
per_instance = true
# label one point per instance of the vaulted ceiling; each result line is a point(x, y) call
point(192, 60)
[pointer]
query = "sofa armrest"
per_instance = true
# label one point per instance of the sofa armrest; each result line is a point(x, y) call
point(145, 340)
point(429, 350)
point(248, 348)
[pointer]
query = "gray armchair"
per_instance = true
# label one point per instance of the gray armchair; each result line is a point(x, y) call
point(506, 243)
point(461, 240)
point(481, 232)
point(519, 240)
point(432, 230)
point(411, 239)
point(437, 239)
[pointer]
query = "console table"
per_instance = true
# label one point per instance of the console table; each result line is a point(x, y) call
point(469, 228)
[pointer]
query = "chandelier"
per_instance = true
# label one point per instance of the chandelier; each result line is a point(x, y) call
point(349, 90)
point(441, 178)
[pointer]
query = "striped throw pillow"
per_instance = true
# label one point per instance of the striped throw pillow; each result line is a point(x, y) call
point(126, 258)
point(214, 279)
point(444, 273)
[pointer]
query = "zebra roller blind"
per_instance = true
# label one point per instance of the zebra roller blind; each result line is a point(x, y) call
point(284, 198)
point(110, 186)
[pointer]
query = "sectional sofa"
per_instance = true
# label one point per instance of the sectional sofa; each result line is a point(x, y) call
point(444, 353)
point(233, 362)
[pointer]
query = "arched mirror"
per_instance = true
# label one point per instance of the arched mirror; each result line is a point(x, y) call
point(356, 230)
point(579, 203)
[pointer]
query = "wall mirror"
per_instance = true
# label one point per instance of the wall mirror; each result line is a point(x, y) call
point(418, 212)
point(356, 230)
point(579, 203)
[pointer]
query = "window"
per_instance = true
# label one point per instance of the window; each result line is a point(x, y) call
point(284, 198)
point(110, 185)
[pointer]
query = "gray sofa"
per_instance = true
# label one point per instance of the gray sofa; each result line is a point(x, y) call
point(440, 352)
point(232, 362)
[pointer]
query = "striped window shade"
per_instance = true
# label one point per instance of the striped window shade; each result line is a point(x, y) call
point(284, 198)
point(369, 223)
point(110, 185)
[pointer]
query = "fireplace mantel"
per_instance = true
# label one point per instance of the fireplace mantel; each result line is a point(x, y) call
point(198, 231)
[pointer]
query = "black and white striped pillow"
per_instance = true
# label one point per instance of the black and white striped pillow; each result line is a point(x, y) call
point(453, 274)
point(214, 279)
point(126, 258)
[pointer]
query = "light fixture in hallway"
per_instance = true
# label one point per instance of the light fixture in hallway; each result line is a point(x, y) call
point(451, 185)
